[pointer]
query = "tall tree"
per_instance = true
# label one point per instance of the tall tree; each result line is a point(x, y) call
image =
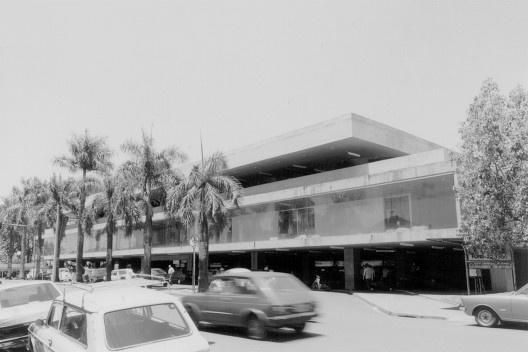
point(492, 170)
point(86, 154)
point(62, 195)
point(147, 169)
point(8, 233)
point(116, 201)
point(204, 196)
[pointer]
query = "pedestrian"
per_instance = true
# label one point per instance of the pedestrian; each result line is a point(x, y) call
point(368, 276)
point(170, 271)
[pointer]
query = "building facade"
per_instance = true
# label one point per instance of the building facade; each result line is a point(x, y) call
point(328, 200)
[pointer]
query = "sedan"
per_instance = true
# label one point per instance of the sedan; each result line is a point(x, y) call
point(255, 300)
point(116, 317)
point(491, 309)
point(21, 303)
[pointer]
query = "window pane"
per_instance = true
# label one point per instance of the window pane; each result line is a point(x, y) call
point(143, 325)
point(74, 324)
point(26, 294)
point(54, 317)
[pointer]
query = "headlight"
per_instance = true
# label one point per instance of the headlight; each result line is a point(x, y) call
point(280, 309)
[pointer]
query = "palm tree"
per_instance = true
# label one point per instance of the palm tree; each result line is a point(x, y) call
point(60, 200)
point(86, 154)
point(148, 171)
point(208, 195)
point(116, 201)
point(8, 233)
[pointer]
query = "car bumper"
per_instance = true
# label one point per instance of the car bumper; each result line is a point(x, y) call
point(16, 342)
point(290, 319)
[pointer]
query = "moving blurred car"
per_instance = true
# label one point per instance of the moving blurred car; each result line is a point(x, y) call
point(21, 303)
point(255, 300)
point(97, 275)
point(122, 274)
point(237, 270)
point(65, 274)
point(491, 309)
point(132, 319)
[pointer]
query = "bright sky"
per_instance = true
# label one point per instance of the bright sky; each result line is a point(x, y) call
point(242, 71)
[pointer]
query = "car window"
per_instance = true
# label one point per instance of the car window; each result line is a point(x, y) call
point(523, 291)
point(54, 315)
point(240, 286)
point(282, 283)
point(142, 325)
point(17, 296)
point(74, 324)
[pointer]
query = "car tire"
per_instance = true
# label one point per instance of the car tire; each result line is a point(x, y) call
point(486, 317)
point(192, 315)
point(299, 328)
point(256, 329)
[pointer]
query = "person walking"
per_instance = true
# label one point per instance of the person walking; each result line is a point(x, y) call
point(368, 276)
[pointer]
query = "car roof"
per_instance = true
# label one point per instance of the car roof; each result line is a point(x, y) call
point(109, 297)
point(20, 283)
point(263, 274)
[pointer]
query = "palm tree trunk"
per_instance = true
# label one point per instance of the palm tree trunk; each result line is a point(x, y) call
point(203, 256)
point(56, 249)
point(10, 253)
point(109, 244)
point(22, 272)
point(80, 234)
point(37, 250)
point(147, 240)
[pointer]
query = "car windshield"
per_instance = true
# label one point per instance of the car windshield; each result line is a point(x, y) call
point(159, 272)
point(21, 295)
point(146, 324)
point(281, 283)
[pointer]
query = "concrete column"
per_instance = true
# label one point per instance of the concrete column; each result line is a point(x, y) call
point(254, 261)
point(352, 260)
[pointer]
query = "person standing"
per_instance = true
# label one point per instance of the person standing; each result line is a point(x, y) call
point(368, 276)
point(170, 271)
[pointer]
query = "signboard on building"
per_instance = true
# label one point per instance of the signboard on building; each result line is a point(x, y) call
point(490, 265)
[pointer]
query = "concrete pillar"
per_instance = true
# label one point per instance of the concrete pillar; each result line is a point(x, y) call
point(254, 261)
point(501, 280)
point(352, 261)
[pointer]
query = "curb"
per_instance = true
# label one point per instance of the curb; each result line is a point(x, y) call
point(401, 315)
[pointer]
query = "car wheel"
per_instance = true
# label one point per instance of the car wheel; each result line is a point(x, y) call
point(486, 317)
point(299, 328)
point(192, 315)
point(256, 329)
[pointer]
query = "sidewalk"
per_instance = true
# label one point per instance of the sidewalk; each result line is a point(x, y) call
point(405, 304)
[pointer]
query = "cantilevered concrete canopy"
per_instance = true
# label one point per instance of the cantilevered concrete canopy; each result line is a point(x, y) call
point(338, 143)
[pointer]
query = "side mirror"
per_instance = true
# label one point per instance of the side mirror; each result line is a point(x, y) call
point(39, 322)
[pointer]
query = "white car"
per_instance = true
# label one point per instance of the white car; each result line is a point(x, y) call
point(122, 274)
point(21, 303)
point(64, 274)
point(110, 318)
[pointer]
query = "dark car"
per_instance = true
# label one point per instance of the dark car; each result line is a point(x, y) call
point(255, 300)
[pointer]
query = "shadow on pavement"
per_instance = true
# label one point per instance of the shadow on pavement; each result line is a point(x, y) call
point(274, 335)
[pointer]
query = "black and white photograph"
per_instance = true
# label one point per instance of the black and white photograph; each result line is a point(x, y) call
point(263, 175)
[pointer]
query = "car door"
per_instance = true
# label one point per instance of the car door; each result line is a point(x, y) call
point(520, 305)
point(44, 334)
point(216, 301)
point(242, 296)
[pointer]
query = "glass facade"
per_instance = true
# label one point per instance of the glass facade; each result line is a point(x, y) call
point(419, 204)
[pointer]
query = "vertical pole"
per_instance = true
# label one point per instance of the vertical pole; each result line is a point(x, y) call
point(193, 270)
point(467, 270)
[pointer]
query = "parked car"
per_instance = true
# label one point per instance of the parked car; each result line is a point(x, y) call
point(65, 274)
point(255, 300)
point(117, 317)
point(177, 277)
point(491, 309)
point(97, 275)
point(122, 274)
point(21, 303)
point(44, 274)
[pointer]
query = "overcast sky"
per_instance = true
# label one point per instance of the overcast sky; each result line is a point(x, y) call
point(242, 71)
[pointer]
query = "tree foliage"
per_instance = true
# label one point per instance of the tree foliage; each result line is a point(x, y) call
point(492, 171)
point(148, 170)
point(86, 154)
point(204, 196)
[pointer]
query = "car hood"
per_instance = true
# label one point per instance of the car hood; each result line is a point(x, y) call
point(27, 313)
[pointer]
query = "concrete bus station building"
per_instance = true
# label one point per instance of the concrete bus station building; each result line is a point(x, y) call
point(328, 199)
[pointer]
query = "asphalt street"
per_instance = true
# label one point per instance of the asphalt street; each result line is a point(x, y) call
point(347, 324)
